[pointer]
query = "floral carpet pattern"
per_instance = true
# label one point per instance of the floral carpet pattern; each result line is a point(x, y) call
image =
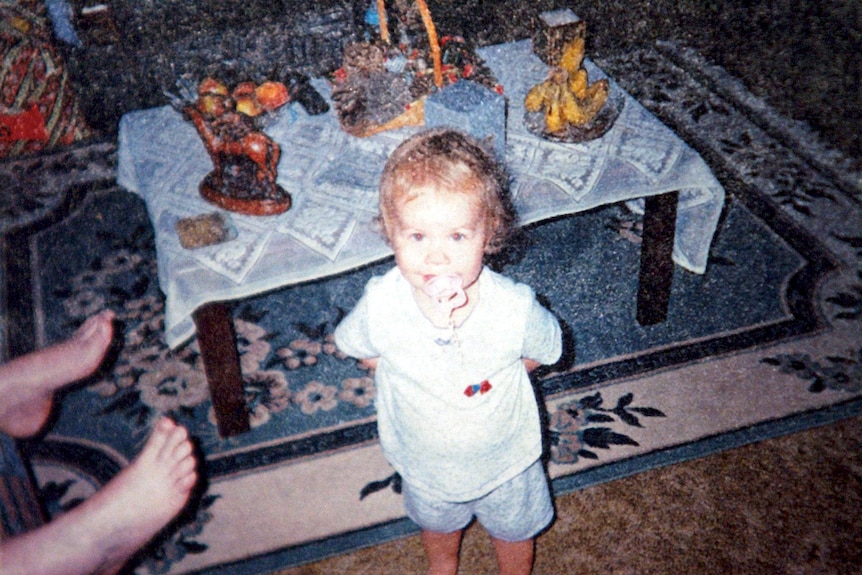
point(766, 342)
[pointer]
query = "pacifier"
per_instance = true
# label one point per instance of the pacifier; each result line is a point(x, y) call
point(447, 291)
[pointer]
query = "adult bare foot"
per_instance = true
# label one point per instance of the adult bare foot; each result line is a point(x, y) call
point(28, 383)
point(101, 534)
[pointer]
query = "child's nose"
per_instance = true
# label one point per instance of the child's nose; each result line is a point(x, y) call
point(436, 254)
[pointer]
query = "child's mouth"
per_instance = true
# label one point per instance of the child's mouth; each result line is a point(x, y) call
point(446, 291)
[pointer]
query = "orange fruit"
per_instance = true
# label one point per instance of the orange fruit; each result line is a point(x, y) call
point(271, 95)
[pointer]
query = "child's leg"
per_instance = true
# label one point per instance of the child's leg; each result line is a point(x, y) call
point(442, 550)
point(513, 514)
point(514, 557)
point(28, 383)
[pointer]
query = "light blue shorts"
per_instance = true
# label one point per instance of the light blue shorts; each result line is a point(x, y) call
point(516, 511)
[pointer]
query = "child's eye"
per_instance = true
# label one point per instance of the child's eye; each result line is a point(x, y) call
point(458, 236)
point(417, 237)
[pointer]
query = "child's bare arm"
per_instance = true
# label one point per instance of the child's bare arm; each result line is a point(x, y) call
point(530, 364)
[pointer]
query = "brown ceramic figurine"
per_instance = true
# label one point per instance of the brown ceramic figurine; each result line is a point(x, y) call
point(245, 159)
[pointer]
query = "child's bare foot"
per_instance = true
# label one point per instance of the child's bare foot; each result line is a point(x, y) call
point(28, 383)
point(101, 534)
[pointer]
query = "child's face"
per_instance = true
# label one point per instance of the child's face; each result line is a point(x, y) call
point(439, 233)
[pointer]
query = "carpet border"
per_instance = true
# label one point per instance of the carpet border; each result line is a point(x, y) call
point(349, 542)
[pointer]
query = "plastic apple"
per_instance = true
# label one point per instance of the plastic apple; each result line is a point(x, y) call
point(212, 86)
point(212, 104)
point(243, 89)
point(248, 105)
point(271, 95)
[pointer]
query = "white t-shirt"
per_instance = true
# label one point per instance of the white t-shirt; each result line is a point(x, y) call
point(455, 444)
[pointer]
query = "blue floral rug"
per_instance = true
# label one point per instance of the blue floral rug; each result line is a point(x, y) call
point(766, 342)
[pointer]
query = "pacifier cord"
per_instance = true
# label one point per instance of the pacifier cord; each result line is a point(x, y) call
point(448, 294)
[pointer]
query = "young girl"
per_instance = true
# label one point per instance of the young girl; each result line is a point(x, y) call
point(452, 343)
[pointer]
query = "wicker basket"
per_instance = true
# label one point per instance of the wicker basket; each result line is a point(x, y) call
point(366, 98)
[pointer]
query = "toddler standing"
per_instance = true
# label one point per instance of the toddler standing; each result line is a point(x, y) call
point(452, 343)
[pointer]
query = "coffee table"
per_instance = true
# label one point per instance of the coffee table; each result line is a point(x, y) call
point(333, 180)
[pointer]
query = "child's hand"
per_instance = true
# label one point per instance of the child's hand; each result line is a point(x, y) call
point(530, 364)
point(370, 363)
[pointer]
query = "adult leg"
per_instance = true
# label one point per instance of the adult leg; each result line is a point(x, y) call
point(442, 550)
point(103, 532)
point(514, 557)
point(28, 383)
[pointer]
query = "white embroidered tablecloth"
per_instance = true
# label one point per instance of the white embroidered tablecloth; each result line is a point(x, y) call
point(333, 179)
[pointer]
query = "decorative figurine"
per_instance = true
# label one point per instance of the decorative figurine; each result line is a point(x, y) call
point(566, 107)
point(245, 159)
point(566, 96)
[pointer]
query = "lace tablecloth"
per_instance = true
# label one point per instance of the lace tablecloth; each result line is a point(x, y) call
point(333, 179)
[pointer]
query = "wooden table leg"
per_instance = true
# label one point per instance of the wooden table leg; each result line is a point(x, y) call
point(656, 272)
point(217, 340)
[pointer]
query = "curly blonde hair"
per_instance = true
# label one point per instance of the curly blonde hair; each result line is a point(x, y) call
point(455, 162)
